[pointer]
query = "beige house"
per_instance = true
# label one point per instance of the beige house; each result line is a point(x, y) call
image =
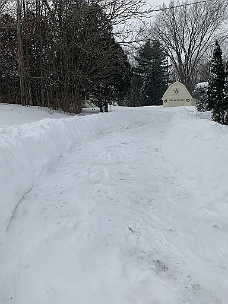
point(177, 95)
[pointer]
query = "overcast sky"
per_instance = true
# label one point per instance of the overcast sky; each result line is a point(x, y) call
point(154, 4)
point(157, 2)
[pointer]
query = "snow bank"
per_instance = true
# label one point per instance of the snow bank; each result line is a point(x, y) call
point(14, 114)
point(198, 148)
point(28, 151)
point(193, 145)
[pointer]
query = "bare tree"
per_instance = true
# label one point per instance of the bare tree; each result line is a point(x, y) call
point(67, 53)
point(2, 6)
point(119, 11)
point(127, 17)
point(186, 31)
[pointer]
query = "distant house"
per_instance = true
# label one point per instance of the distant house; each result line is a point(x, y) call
point(89, 108)
point(177, 95)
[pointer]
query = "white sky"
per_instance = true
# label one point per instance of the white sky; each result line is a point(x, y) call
point(157, 2)
point(154, 4)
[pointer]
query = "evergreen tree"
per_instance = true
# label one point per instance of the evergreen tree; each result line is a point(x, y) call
point(109, 70)
point(152, 73)
point(215, 91)
point(8, 59)
point(142, 67)
point(143, 59)
point(69, 55)
point(131, 99)
point(226, 93)
point(200, 93)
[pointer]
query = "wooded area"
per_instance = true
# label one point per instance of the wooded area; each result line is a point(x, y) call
point(187, 32)
point(60, 53)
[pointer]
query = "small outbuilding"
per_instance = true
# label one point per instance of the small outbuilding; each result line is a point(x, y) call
point(89, 108)
point(177, 95)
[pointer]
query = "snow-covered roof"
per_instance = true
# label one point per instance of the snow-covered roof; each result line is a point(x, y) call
point(202, 85)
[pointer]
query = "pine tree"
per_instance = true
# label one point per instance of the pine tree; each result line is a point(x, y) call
point(8, 59)
point(200, 93)
point(215, 91)
point(142, 59)
point(152, 72)
point(133, 99)
point(226, 94)
point(109, 71)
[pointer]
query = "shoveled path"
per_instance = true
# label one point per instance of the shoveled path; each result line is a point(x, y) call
point(111, 223)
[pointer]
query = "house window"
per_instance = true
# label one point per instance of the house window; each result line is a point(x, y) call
point(188, 100)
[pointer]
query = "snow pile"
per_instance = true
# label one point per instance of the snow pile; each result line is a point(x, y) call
point(201, 85)
point(14, 114)
point(198, 148)
point(112, 222)
point(28, 151)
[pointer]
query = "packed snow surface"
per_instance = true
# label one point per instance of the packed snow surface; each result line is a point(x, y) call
point(125, 207)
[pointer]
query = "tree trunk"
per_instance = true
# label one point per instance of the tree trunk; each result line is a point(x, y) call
point(21, 70)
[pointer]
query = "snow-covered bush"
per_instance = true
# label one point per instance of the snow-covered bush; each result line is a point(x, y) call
point(200, 93)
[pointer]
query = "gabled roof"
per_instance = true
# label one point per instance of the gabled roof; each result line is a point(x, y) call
point(173, 86)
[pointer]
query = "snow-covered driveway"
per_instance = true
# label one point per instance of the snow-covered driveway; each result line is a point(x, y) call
point(113, 223)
